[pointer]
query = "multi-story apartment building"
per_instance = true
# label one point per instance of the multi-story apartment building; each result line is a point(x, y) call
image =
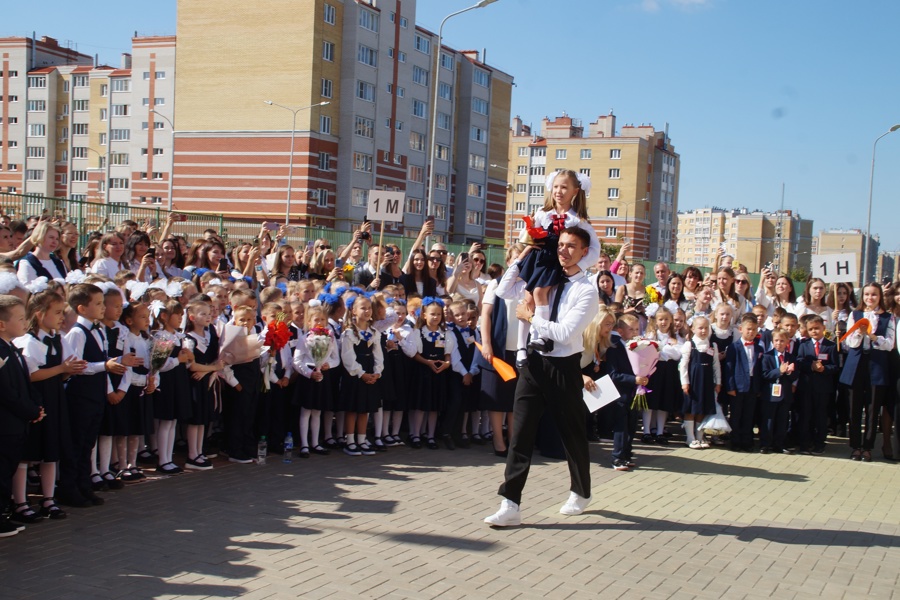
point(851, 241)
point(378, 72)
point(888, 266)
point(88, 132)
point(634, 177)
point(756, 239)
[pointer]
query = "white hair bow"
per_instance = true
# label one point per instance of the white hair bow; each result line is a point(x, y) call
point(651, 310)
point(75, 277)
point(672, 306)
point(39, 284)
point(9, 282)
point(583, 181)
point(137, 289)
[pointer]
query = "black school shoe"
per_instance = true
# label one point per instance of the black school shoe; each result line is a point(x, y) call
point(541, 345)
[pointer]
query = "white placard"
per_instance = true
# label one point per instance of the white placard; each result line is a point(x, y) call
point(603, 394)
point(385, 206)
point(835, 268)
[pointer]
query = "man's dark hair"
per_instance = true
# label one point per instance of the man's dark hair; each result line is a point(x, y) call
point(580, 233)
point(18, 227)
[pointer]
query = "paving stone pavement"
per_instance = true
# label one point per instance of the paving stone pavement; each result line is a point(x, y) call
point(408, 524)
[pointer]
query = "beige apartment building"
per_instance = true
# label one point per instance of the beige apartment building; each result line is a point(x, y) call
point(634, 175)
point(73, 129)
point(781, 239)
point(377, 70)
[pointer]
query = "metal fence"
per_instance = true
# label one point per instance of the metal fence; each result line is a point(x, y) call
point(92, 216)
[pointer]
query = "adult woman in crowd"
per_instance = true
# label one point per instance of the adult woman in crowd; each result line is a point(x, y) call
point(42, 261)
point(208, 256)
point(675, 292)
point(137, 257)
point(462, 282)
point(68, 246)
point(606, 287)
point(91, 250)
point(479, 266)
point(109, 256)
point(631, 295)
point(692, 278)
point(286, 264)
point(725, 292)
point(498, 327)
point(170, 259)
point(390, 273)
point(438, 271)
point(416, 279)
point(323, 267)
point(742, 286)
point(784, 295)
point(813, 301)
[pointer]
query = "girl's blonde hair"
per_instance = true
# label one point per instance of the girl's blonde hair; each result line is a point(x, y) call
point(593, 341)
point(579, 202)
point(350, 318)
point(653, 326)
point(310, 312)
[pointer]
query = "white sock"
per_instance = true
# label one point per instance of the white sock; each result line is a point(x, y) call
point(689, 430)
point(701, 437)
point(360, 438)
point(661, 418)
point(378, 422)
point(521, 340)
point(646, 417)
point(542, 312)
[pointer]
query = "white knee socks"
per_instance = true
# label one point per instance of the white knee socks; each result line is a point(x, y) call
point(689, 430)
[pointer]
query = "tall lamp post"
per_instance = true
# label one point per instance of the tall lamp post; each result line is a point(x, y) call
point(293, 111)
point(513, 204)
point(429, 210)
point(869, 218)
point(172, 168)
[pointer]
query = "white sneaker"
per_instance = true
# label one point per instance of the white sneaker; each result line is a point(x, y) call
point(575, 505)
point(507, 516)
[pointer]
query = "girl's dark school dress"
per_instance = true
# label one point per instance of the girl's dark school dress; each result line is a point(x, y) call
point(540, 268)
point(702, 398)
point(172, 401)
point(47, 438)
point(665, 384)
point(356, 396)
point(309, 394)
point(393, 380)
point(202, 397)
point(430, 389)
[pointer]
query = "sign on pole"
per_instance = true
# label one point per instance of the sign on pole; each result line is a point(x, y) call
point(835, 268)
point(385, 206)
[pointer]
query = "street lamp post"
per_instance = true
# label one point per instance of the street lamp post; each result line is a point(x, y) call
point(865, 272)
point(513, 204)
point(293, 111)
point(429, 209)
point(172, 168)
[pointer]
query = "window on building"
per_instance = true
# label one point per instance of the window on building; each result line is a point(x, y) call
point(121, 110)
point(414, 206)
point(520, 207)
point(157, 175)
point(364, 127)
point(324, 124)
point(416, 174)
point(440, 181)
point(585, 153)
point(482, 78)
point(41, 105)
point(322, 198)
point(365, 91)
point(615, 154)
point(476, 161)
point(538, 170)
point(359, 198)
point(398, 125)
point(79, 176)
point(612, 212)
point(476, 190)
point(480, 106)
point(585, 172)
point(614, 173)
point(327, 88)
point(79, 152)
point(539, 151)
point(367, 56)
point(158, 152)
point(419, 109)
point(445, 90)
point(522, 170)
point(79, 129)
point(479, 134)
point(417, 141)
point(324, 161)
point(37, 130)
point(328, 51)
point(120, 84)
point(612, 192)
point(34, 175)
point(442, 152)
point(404, 22)
point(102, 139)
point(104, 114)
point(423, 44)
point(120, 135)
point(160, 74)
point(330, 14)
point(420, 76)
point(561, 154)
point(521, 188)
point(473, 217)
point(118, 183)
point(446, 61)
point(612, 232)
point(36, 152)
point(536, 190)
point(368, 20)
point(37, 81)
point(444, 121)
point(362, 162)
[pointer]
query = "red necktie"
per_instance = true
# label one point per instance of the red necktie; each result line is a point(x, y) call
point(780, 359)
point(559, 223)
point(817, 349)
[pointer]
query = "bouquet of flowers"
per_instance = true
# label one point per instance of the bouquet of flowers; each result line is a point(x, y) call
point(161, 345)
point(643, 356)
point(348, 269)
point(318, 342)
point(651, 296)
point(278, 334)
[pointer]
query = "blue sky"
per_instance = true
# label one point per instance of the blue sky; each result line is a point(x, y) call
point(756, 94)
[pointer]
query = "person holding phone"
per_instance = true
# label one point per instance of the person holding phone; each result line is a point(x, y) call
point(139, 257)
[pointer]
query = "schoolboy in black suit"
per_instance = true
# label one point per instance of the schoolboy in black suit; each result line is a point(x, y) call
point(19, 405)
point(779, 385)
point(817, 362)
point(743, 374)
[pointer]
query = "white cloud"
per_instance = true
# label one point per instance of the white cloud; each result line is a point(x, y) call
point(653, 6)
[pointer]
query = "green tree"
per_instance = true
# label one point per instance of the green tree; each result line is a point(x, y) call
point(799, 274)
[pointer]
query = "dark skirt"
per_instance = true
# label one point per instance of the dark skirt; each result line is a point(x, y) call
point(497, 395)
point(540, 268)
point(172, 401)
point(314, 395)
point(665, 384)
point(132, 416)
point(202, 402)
point(394, 381)
point(470, 395)
point(429, 390)
point(358, 397)
point(47, 439)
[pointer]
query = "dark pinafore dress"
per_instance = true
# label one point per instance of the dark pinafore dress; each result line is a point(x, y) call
point(47, 438)
point(470, 395)
point(172, 401)
point(541, 268)
point(356, 396)
point(393, 379)
point(702, 398)
point(202, 397)
point(430, 390)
